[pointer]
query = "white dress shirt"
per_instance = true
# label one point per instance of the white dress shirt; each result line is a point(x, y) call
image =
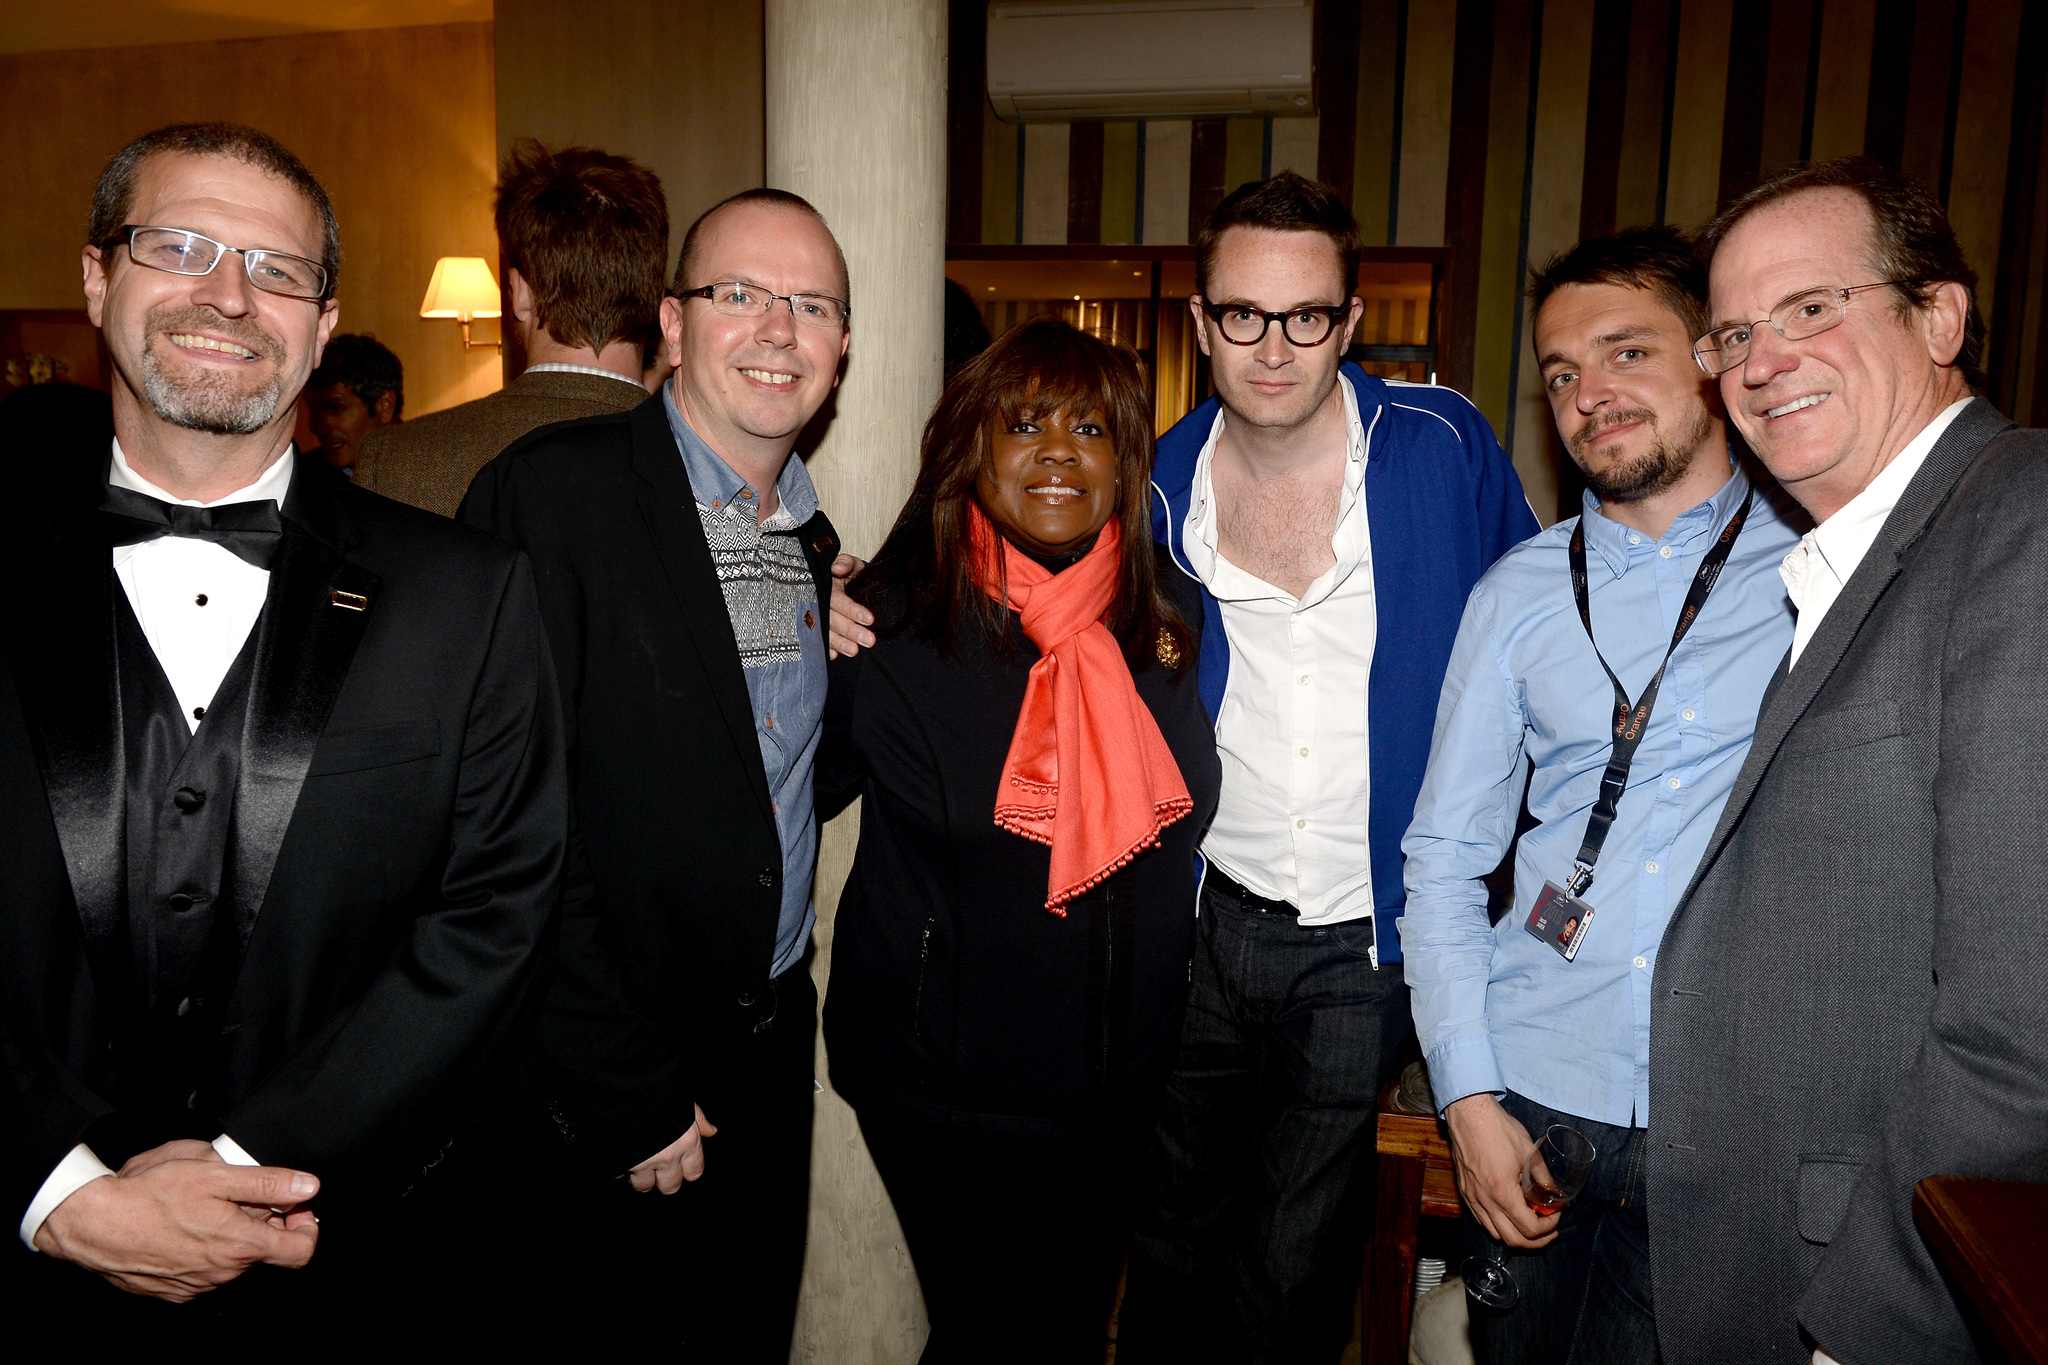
point(564, 367)
point(1290, 824)
point(1826, 557)
point(196, 603)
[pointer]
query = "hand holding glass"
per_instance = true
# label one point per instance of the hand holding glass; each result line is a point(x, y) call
point(1553, 1174)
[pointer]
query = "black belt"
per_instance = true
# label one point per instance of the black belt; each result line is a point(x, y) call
point(1227, 888)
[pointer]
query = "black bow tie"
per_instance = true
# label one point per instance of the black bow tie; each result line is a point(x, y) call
point(250, 531)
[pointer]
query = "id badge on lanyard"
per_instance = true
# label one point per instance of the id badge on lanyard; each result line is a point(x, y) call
point(1560, 919)
point(1561, 915)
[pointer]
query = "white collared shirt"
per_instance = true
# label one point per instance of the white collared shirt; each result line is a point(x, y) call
point(564, 367)
point(1826, 557)
point(196, 602)
point(1290, 822)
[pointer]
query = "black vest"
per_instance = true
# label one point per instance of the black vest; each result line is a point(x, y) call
point(180, 803)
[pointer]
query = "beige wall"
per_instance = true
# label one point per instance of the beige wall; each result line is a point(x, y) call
point(674, 84)
point(396, 123)
point(856, 123)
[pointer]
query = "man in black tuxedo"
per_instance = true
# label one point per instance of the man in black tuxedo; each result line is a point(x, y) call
point(282, 800)
point(683, 567)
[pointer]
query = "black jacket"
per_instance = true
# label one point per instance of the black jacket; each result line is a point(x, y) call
point(675, 883)
point(955, 993)
point(400, 824)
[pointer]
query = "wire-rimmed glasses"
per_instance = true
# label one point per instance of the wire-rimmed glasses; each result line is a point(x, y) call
point(1310, 325)
point(737, 298)
point(1803, 315)
point(1553, 1174)
point(182, 251)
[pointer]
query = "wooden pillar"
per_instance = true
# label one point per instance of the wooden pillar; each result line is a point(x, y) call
point(856, 123)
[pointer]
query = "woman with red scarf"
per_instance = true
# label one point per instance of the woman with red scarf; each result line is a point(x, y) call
point(1010, 957)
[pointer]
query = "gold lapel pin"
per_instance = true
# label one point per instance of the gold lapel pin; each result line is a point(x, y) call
point(1168, 649)
point(352, 601)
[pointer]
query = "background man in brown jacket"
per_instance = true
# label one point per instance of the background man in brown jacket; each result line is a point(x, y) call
point(582, 242)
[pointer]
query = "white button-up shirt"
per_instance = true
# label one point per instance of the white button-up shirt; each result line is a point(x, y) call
point(1826, 557)
point(196, 603)
point(1290, 823)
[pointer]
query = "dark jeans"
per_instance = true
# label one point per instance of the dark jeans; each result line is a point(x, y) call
point(1262, 1169)
point(1017, 1240)
point(1585, 1297)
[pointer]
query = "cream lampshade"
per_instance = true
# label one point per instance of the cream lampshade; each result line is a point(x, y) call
point(463, 288)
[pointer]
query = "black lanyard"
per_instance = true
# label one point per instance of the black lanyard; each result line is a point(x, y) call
point(1632, 720)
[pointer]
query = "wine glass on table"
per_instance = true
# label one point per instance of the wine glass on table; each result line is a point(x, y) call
point(1552, 1176)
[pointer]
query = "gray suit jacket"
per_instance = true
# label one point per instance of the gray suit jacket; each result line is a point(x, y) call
point(430, 460)
point(1854, 992)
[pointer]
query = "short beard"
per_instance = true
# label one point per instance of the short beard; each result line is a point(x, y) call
point(210, 403)
point(1656, 469)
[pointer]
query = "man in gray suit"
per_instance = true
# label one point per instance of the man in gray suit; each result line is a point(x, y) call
point(1854, 993)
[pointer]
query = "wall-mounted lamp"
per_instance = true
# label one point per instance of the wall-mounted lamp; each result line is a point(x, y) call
point(463, 288)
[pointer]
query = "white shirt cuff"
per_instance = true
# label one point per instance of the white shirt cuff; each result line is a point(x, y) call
point(232, 1153)
point(78, 1168)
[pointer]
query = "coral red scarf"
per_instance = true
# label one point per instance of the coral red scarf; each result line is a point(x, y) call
point(1088, 771)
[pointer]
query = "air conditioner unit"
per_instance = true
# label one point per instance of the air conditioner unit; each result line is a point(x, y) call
point(1065, 60)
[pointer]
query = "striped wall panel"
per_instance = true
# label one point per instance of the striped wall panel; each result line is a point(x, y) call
point(1577, 116)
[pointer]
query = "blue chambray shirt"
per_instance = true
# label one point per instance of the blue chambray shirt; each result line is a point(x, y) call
point(1497, 1009)
point(772, 601)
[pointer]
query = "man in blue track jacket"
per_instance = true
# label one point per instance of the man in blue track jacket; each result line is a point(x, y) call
point(1314, 504)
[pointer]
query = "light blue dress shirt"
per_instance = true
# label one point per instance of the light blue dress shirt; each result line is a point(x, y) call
point(1496, 1008)
point(772, 601)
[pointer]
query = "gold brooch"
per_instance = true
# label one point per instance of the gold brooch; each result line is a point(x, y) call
point(1168, 649)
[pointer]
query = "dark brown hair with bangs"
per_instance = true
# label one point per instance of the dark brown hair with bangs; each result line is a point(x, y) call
point(922, 580)
point(1659, 259)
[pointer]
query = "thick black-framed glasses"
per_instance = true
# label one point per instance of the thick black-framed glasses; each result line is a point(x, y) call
point(1804, 315)
point(1310, 325)
point(182, 251)
point(739, 299)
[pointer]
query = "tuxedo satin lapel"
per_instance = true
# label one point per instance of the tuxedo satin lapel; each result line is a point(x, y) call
point(1791, 693)
point(62, 653)
point(314, 618)
point(670, 511)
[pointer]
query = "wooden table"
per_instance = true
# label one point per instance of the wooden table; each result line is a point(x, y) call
point(1415, 1181)
point(1991, 1236)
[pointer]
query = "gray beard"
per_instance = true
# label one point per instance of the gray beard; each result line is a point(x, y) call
point(1656, 469)
point(208, 405)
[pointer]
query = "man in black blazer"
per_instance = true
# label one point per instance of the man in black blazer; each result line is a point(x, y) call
point(282, 802)
point(683, 566)
point(1853, 995)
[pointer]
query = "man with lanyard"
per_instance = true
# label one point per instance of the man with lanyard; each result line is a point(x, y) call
point(1667, 590)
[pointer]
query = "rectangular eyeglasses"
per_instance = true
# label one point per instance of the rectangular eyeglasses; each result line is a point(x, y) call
point(184, 252)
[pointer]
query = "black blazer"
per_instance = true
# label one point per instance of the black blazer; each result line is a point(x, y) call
point(400, 824)
point(668, 925)
point(956, 995)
